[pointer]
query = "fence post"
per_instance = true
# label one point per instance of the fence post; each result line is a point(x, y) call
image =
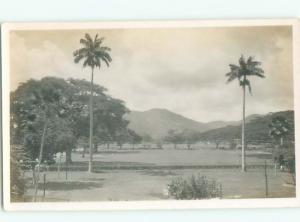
point(66, 168)
point(221, 191)
point(59, 165)
point(266, 179)
point(44, 193)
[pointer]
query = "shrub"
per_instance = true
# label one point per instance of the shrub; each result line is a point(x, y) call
point(194, 187)
point(17, 183)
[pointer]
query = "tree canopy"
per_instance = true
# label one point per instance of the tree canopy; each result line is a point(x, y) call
point(63, 104)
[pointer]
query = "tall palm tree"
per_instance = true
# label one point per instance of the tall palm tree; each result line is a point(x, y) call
point(242, 72)
point(93, 54)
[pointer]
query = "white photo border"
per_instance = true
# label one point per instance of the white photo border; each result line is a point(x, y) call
point(144, 205)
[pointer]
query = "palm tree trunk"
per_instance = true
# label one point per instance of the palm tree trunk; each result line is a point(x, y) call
point(243, 132)
point(91, 124)
point(37, 175)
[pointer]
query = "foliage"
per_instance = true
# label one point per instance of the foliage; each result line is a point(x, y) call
point(63, 104)
point(244, 70)
point(17, 183)
point(257, 129)
point(147, 138)
point(39, 107)
point(122, 136)
point(194, 187)
point(280, 128)
point(92, 52)
point(134, 138)
point(174, 137)
point(189, 137)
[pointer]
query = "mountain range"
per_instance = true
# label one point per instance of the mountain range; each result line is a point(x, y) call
point(157, 122)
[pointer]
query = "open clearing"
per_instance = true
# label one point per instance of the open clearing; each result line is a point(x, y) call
point(119, 177)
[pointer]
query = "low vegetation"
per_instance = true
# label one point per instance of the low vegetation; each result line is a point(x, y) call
point(194, 187)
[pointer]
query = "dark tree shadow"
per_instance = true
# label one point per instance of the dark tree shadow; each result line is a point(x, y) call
point(260, 155)
point(71, 185)
point(159, 173)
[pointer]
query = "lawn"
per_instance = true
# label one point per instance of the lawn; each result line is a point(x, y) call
point(145, 175)
point(170, 158)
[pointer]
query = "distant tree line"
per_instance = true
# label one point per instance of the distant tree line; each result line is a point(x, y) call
point(274, 128)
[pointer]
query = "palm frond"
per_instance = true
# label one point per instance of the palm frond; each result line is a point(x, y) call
point(82, 51)
point(92, 52)
point(242, 62)
point(231, 76)
point(234, 67)
point(96, 37)
point(88, 38)
point(87, 62)
point(246, 82)
point(103, 54)
point(97, 62)
point(105, 60)
point(84, 42)
point(78, 58)
point(104, 48)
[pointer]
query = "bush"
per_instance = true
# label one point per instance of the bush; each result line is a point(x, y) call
point(17, 183)
point(194, 187)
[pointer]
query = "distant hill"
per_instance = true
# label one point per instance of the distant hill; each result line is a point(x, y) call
point(257, 128)
point(157, 122)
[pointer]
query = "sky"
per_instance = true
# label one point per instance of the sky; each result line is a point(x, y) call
point(179, 69)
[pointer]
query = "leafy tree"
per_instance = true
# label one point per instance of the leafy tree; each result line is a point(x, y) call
point(242, 72)
point(108, 113)
point(93, 54)
point(146, 138)
point(134, 138)
point(189, 137)
point(122, 137)
point(18, 161)
point(174, 137)
point(258, 130)
point(109, 119)
point(38, 110)
point(279, 128)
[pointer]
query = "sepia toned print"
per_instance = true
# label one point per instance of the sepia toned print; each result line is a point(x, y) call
point(162, 114)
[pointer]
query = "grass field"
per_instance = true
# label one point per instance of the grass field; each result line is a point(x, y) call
point(119, 176)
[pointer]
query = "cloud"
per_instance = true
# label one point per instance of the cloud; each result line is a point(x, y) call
point(182, 70)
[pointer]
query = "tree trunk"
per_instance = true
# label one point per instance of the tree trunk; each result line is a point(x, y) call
point(37, 175)
point(91, 124)
point(83, 152)
point(243, 132)
point(107, 145)
point(281, 142)
point(96, 147)
point(69, 155)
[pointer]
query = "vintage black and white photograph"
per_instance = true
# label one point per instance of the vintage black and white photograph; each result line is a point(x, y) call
point(135, 112)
